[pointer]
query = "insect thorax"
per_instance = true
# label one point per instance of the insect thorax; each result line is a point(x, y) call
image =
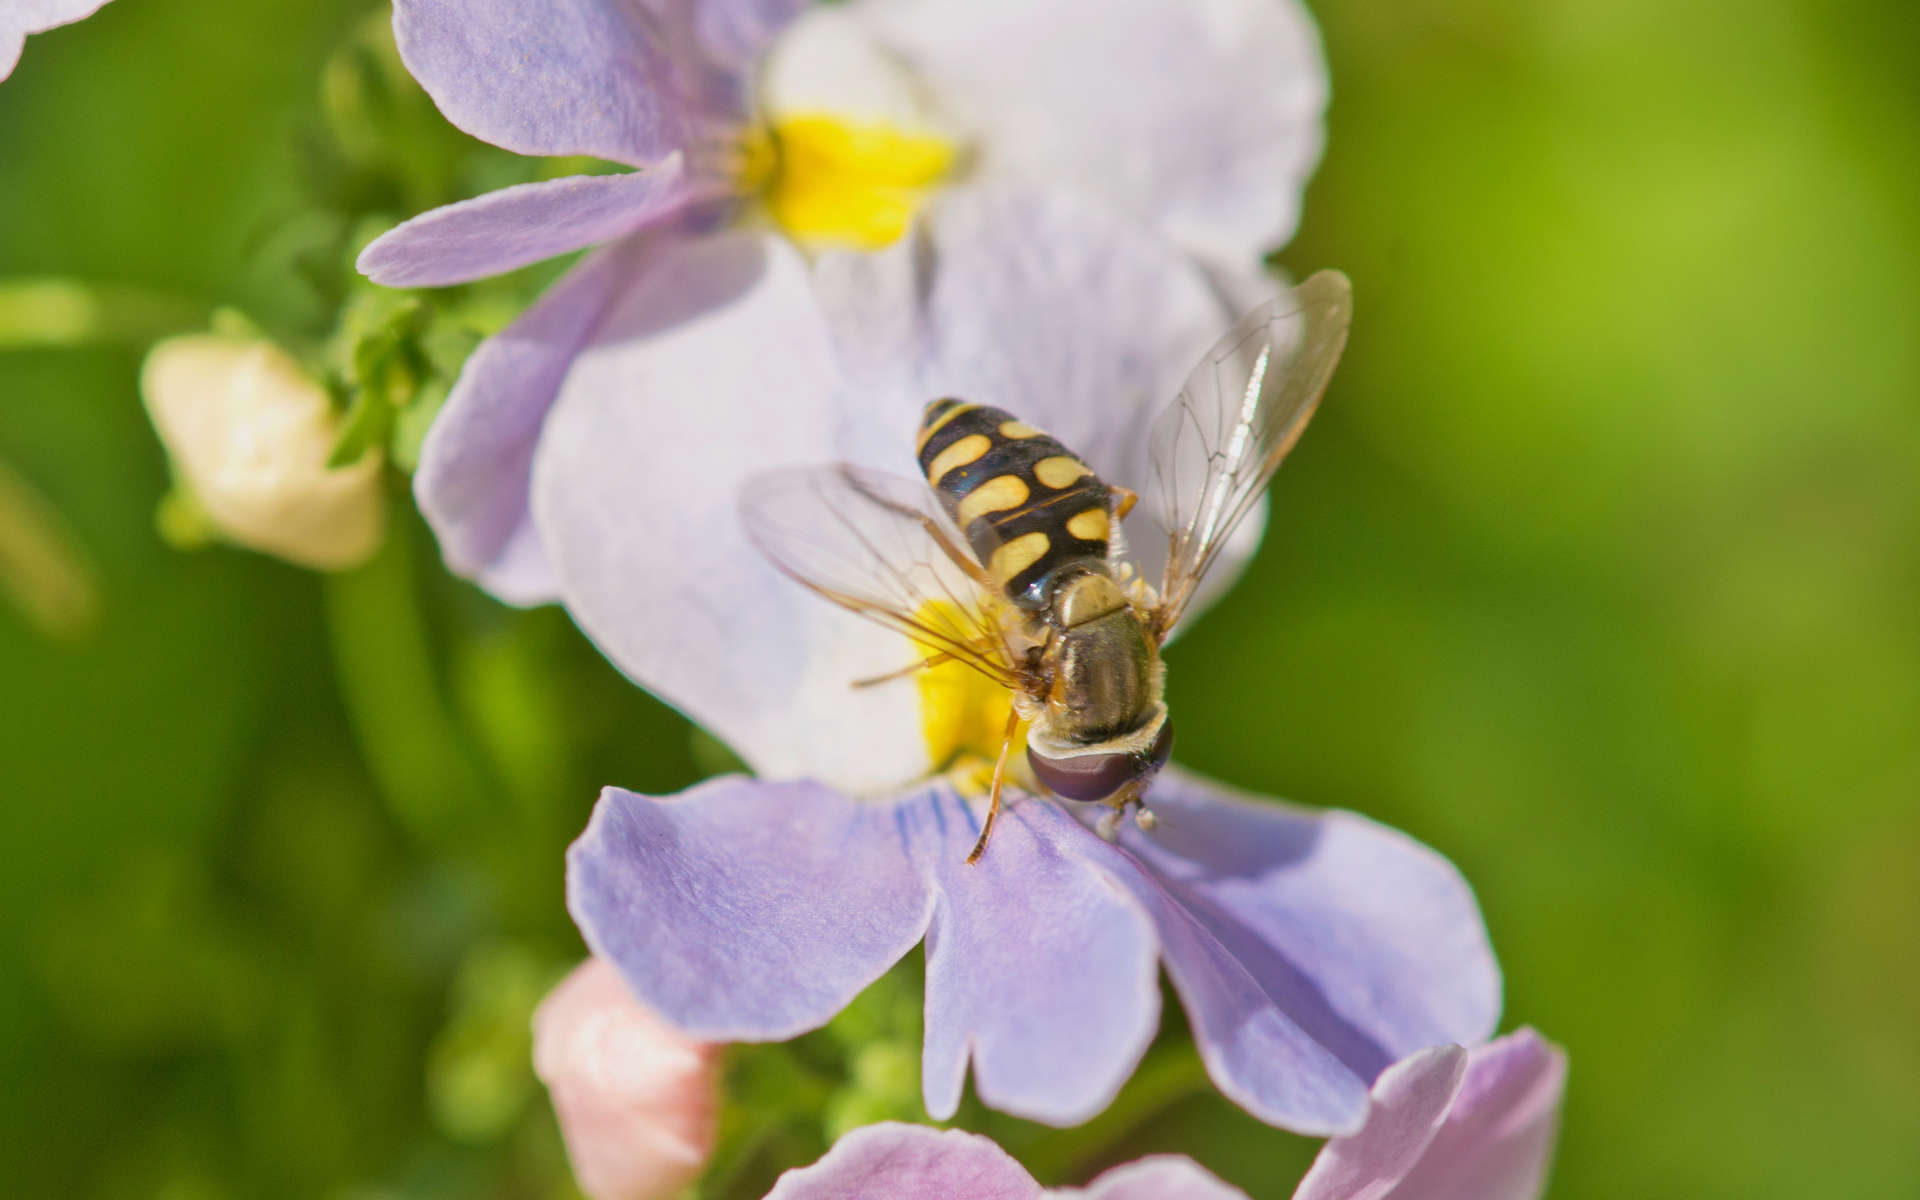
point(1029, 508)
point(1102, 666)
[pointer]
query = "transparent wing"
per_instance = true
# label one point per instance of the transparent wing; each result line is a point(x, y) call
point(878, 545)
point(1241, 411)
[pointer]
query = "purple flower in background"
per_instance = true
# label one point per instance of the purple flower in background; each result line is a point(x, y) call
point(1444, 1124)
point(833, 126)
point(1082, 181)
point(1448, 1124)
point(18, 18)
point(1311, 950)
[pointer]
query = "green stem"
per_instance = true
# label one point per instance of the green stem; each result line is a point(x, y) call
point(768, 1089)
point(43, 569)
point(385, 670)
point(1163, 1081)
point(42, 313)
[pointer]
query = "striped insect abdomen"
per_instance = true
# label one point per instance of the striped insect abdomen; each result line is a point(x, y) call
point(1027, 505)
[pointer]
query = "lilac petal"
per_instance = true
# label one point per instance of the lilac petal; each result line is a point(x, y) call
point(477, 461)
point(636, 491)
point(1201, 119)
point(1409, 1102)
point(1311, 950)
point(1241, 1029)
point(22, 17)
point(751, 911)
point(1161, 1177)
point(1498, 1139)
point(746, 911)
point(909, 1162)
point(1038, 968)
point(617, 80)
point(507, 229)
point(736, 32)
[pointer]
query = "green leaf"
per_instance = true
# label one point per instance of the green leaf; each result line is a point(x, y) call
point(369, 420)
point(410, 425)
point(181, 521)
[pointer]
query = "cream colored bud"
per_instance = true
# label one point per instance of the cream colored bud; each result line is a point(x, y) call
point(249, 434)
point(638, 1102)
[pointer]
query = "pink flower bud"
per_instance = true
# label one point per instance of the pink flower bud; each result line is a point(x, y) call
point(638, 1102)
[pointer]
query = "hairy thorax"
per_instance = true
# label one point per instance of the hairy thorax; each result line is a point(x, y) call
point(1102, 665)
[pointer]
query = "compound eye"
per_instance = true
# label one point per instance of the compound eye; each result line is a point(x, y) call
point(1086, 776)
point(1097, 776)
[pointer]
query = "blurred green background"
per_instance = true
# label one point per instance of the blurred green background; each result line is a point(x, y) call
point(1599, 572)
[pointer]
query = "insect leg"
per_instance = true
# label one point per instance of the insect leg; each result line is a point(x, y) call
point(909, 669)
point(1131, 796)
point(1123, 500)
point(999, 773)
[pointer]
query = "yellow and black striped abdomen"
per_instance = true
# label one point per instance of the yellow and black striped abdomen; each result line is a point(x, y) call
point(1027, 505)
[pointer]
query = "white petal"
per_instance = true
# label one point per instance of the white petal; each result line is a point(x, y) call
point(1159, 1177)
point(1050, 307)
point(829, 62)
point(36, 16)
point(1202, 116)
point(634, 492)
point(1081, 323)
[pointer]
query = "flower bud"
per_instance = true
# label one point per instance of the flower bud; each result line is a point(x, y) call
point(638, 1103)
point(250, 434)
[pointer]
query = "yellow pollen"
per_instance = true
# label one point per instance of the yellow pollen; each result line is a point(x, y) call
point(850, 183)
point(963, 715)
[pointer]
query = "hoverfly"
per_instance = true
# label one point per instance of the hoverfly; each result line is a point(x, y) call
point(1010, 557)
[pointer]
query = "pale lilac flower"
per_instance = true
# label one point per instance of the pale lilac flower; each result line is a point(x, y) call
point(1452, 1124)
point(638, 1103)
point(18, 18)
point(1310, 949)
point(1445, 1124)
point(826, 126)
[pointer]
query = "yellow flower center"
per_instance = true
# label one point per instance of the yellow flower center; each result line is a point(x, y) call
point(963, 717)
point(835, 181)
